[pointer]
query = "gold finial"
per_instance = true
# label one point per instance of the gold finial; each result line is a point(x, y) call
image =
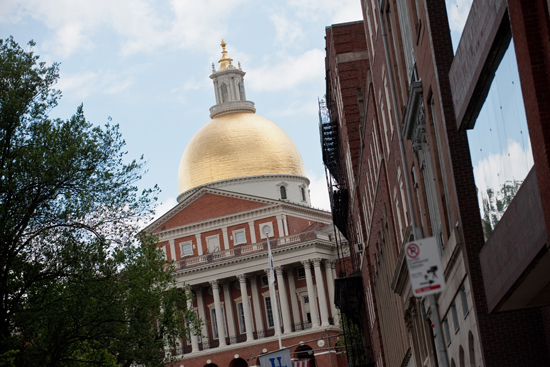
point(225, 61)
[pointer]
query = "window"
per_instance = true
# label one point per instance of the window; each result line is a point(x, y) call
point(239, 237)
point(269, 312)
point(282, 189)
point(265, 282)
point(455, 317)
point(464, 300)
point(223, 89)
point(301, 273)
point(240, 312)
point(213, 243)
point(215, 322)
point(306, 299)
point(186, 248)
point(240, 90)
point(303, 192)
point(446, 331)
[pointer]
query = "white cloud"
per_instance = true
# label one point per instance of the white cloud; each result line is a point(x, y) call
point(341, 11)
point(318, 191)
point(289, 72)
point(496, 169)
point(457, 12)
point(140, 25)
point(83, 84)
point(288, 32)
point(164, 207)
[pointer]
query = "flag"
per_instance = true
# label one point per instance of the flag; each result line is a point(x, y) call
point(270, 259)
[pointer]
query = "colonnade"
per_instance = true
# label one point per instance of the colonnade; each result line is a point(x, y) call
point(288, 308)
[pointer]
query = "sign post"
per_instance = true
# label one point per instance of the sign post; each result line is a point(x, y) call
point(424, 264)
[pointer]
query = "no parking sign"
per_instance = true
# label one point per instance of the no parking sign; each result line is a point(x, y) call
point(424, 264)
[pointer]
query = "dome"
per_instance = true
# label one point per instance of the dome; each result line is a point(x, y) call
point(240, 144)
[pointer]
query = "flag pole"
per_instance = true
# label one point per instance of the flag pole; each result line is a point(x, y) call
point(272, 291)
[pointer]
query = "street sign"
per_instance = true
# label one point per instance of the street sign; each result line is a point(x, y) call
point(424, 264)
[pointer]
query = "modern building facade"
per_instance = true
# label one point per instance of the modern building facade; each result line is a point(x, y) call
point(401, 106)
point(241, 183)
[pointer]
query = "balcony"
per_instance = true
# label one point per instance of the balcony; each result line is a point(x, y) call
point(245, 250)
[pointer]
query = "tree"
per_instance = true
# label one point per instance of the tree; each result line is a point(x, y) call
point(79, 284)
point(495, 204)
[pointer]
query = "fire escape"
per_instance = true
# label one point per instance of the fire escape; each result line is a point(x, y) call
point(349, 293)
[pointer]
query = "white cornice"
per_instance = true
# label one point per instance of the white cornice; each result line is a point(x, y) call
point(277, 253)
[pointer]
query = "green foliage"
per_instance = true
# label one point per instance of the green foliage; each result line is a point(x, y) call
point(78, 285)
point(495, 204)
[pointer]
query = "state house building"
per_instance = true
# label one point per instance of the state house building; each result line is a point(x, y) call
point(241, 177)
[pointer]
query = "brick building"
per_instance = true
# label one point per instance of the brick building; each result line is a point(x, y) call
point(241, 182)
point(399, 104)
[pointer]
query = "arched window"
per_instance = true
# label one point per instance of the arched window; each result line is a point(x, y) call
point(282, 189)
point(223, 89)
point(303, 191)
point(240, 90)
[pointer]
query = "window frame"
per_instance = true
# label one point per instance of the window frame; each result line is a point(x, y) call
point(185, 244)
point(235, 233)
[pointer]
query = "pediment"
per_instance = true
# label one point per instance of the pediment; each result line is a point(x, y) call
point(205, 205)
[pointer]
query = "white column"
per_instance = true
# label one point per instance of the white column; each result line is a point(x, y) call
point(229, 312)
point(293, 299)
point(199, 243)
point(321, 292)
point(246, 308)
point(252, 233)
point(311, 295)
point(172, 250)
point(165, 252)
point(284, 300)
point(219, 314)
point(216, 88)
point(330, 290)
point(225, 239)
point(257, 308)
point(200, 306)
point(285, 224)
point(194, 338)
point(280, 225)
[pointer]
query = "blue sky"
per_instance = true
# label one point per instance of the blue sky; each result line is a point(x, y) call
point(146, 63)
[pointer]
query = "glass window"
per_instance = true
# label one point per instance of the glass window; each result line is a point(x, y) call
point(464, 300)
point(446, 331)
point(186, 249)
point(269, 312)
point(240, 91)
point(283, 192)
point(215, 322)
point(240, 312)
point(239, 237)
point(223, 89)
point(455, 317)
point(303, 191)
point(265, 282)
point(301, 273)
point(499, 143)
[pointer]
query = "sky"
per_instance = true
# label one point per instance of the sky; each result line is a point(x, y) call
point(146, 64)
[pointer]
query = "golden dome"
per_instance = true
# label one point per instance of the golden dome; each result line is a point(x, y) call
point(240, 144)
